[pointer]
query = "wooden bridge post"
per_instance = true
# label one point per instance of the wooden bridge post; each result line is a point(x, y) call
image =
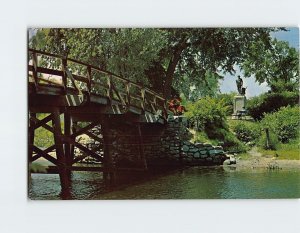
point(64, 172)
point(30, 136)
point(107, 163)
point(67, 132)
point(141, 148)
point(72, 152)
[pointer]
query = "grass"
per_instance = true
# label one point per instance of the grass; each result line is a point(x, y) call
point(288, 151)
point(201, 136)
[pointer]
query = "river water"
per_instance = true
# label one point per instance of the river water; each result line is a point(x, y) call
point(191, 183)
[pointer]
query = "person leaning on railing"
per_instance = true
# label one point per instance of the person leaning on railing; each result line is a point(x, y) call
point(175, 106)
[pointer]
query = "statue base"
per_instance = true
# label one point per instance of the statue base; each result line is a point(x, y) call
point(239, 107)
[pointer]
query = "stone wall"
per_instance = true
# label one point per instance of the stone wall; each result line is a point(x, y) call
point(162, 145)
point(174, 147)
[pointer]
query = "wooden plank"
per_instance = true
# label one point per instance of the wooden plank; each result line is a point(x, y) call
point(31, 136)
point(84, 149)
point(55, 72)
point(89, 75)
point(73, 126)
point(67, 133)
point(44, 70)
point(107, 162)
point(45, 155)
point(64, 75)
point(118, 95)
point(64, 139)
point(100, 70)
point(128, 93)
point(64, 172)
point(84, 129)
point(143, 99)
point(141, 148)
point(96, 138)
point(49, 149)
point(38, 123)
point(34, 70)
point(70, 76)
point(56, 130)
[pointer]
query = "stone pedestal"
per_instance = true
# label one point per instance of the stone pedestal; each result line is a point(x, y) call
point(239, 106)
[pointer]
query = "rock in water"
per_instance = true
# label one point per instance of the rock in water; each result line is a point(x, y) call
point(226, 162)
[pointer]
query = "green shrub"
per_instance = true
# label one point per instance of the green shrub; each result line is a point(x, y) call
point(232, 144)
point(284, 123)
point(210, 114)
point(270, 102)
point(227, 98)
point(246, 131)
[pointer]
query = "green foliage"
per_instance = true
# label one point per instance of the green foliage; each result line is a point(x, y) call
point(232, 144)
point(43, 138)
point(160, 57)
point(278, 65)
point(270, 143)
point(208, 115)
point(189, 86)
point(270, 102)
point(200, 136)
point(290, 151)
point(285, 123)
point(227, 98)
point(126, 52)
point(246, 131)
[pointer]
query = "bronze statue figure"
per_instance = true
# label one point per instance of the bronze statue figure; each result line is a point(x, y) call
point(239, 84)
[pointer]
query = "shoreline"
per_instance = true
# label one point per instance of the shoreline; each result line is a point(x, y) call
point(267, 163)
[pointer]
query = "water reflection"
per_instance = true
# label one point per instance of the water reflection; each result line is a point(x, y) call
point(191, 183)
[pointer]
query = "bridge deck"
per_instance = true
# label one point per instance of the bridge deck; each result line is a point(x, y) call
point(62, 82)
point(84, 93)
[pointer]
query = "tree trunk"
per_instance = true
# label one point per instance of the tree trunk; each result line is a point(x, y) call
point(171, 70)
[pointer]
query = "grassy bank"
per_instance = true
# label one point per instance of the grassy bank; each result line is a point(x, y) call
point(288, 151)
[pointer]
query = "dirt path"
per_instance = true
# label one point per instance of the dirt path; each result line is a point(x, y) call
point(258, 161)
point(254, 152)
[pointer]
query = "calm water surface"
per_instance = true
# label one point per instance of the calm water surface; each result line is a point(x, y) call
point(191, 183)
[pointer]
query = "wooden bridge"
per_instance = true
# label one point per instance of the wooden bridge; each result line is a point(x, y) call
point(77, 97)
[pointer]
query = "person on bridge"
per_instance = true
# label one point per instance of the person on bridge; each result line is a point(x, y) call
point(175, 106)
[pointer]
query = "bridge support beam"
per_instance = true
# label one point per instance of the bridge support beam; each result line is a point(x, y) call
point(67, 133)
point(64, 171)
point(109, 173)
point(31, 136)
point(141, 148)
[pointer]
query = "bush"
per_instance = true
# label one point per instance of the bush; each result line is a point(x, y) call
point(227, 98)
point(232, 144)
point(284, 123)
point(270, 102)
point(209, 115)
point(246, 131)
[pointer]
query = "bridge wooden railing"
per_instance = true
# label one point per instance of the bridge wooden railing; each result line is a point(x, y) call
point(46, 69)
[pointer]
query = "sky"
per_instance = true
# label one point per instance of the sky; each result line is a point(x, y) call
point(254, 88)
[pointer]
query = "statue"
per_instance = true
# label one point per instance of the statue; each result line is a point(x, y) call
point(239, 84)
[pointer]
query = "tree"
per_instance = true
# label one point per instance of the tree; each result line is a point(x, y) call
point(278, 65)
point(190, 86)
point(125, 52)
point(161, 58)
point(194, 51)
